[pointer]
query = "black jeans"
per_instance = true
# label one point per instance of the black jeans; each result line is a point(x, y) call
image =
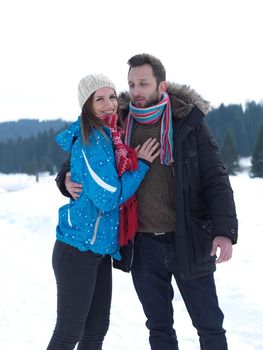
point(152, 271)
point(84, 288)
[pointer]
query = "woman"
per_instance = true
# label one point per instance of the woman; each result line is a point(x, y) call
point(87, 232)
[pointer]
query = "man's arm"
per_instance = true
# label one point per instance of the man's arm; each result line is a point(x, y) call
point(64, 183)
point(219, 195)
point(216, 186)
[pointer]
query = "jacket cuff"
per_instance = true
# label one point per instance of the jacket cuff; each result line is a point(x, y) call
point(145, 161)
point(227, 227)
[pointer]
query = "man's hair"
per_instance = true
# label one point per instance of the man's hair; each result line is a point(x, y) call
point(157, 66)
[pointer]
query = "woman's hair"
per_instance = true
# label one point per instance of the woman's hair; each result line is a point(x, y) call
point(89, 120)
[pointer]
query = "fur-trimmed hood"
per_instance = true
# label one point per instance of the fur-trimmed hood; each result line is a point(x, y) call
point(183, 99)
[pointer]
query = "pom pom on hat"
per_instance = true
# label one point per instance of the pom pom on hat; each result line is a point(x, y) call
point(90, 84)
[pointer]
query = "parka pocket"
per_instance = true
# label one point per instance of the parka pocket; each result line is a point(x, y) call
point(201, 239)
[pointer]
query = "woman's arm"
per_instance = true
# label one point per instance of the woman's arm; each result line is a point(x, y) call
point(101, 181)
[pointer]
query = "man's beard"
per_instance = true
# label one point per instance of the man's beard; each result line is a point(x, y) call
point(152, 101)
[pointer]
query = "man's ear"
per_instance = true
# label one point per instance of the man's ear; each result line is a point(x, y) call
point(162, 87)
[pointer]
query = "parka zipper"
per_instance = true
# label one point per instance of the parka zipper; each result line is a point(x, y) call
point(96, 228)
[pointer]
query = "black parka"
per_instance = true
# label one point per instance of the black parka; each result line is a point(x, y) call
point(204, 205)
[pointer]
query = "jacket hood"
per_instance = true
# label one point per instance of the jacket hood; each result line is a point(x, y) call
point(66, 138)
point(183, 100)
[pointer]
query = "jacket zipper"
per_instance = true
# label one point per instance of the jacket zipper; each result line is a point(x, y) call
point(96, 228)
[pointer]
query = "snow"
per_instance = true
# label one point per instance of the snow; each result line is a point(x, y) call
point(28, 216)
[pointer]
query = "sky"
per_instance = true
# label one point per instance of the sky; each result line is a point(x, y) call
point(28, 290)
point(215, 46)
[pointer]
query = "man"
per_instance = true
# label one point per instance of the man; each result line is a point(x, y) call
point(186, 210)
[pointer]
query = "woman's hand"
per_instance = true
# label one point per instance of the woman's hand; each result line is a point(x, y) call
point(147, 150)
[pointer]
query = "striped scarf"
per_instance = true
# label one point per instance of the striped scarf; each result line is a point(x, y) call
point(151, 115)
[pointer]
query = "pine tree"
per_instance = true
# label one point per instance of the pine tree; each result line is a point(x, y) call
point(229, 154)
point(257, 157)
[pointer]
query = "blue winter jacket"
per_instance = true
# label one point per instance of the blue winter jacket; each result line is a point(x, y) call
point(91, 222)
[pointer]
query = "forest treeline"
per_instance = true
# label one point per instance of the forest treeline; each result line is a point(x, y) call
point(38, 153)
point(243, 124)
point(28, 146)
point(25, 128)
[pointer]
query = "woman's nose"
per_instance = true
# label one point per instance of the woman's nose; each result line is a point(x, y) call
point(109, 105)
point(136, 92)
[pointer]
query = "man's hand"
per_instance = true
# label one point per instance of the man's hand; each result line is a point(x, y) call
point(73, 188)
point(225, 246)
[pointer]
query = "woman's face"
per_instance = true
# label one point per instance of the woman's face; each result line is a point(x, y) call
point(105, 102)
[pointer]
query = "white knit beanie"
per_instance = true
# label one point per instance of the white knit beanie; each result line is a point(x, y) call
point(90, 84)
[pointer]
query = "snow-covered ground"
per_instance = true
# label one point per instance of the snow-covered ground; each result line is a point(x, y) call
point(28, 216)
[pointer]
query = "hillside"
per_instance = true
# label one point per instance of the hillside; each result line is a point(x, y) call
point(25, 128)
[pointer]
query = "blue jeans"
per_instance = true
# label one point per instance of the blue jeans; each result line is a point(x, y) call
point(152, 271)
point(84, 288)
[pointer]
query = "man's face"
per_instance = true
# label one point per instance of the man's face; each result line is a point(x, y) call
point(143, 89)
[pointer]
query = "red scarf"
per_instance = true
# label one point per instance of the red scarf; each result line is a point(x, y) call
point(126, 160)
